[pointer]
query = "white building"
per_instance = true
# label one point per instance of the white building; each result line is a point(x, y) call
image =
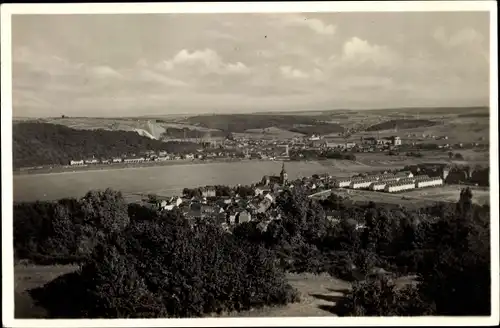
point(361, 184)
point(134, 160)
point(91, 161)
point(80, 162)
point(377, 186)
point(431, 182)
point(342, 183)
point(162, 158)
point(399, 186)
point(117, 160)
point(396, 141)
point(389, 179)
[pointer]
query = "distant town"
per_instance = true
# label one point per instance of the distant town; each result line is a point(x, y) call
point(278, 150)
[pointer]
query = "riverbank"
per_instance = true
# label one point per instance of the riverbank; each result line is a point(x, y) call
point(118, 166)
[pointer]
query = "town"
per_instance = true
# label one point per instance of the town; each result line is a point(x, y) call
point(231, 206)
point(281, 150)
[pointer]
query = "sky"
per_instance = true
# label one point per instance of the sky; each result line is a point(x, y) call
point(160, 64)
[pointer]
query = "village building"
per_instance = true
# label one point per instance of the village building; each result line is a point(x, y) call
point(378, 186)
point(134, 160)
point(208, 192)
point(396, 141)
point(243, 217)
point(429, 182)
point(92, 161)
point(361, 184)
point(399, 186)
point(342, 183)
point(76, 163)
point(282, 179)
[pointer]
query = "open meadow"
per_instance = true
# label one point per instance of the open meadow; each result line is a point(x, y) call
point(416, 197)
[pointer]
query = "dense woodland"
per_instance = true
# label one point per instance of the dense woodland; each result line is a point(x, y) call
point(161, 264)
point(37, 144)
point(242, 122)
point(176, 133)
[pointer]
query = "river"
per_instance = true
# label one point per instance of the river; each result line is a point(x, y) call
point(165, 180)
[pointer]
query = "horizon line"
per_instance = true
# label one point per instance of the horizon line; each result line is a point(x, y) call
point(264, 112)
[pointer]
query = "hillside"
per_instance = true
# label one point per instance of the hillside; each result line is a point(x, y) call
point(173, 133)
point(37, 144)
point(244, 122)
point(401, 125)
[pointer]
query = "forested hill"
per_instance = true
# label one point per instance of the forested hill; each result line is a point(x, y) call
point(243, 122)
point(36, 144)
point(401, 124)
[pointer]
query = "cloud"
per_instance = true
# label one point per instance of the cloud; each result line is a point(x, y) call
point(313, 24)
point(463, 37)
point(359, 51)
point(202, 61)
point(146, 75)
point(292, 73)
point(104, 72)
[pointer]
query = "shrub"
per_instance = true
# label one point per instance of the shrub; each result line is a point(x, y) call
point(379, 297)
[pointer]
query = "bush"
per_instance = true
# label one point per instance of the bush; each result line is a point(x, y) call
point(379, 297)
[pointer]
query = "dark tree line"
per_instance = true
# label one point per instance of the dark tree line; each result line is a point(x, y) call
point(37, 144)
point(316, 155)
point(243, 122)
point(156, 265)
point(165, 264)
point(189, 133)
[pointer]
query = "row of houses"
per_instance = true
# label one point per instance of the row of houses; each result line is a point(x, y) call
point(364, 182)
point(127, 160)
point(399, 181)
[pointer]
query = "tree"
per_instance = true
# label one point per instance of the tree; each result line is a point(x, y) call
point(105, 210)
point(456, 272)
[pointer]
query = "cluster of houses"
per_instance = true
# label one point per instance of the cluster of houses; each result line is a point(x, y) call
point(232, 210)
point(397, 182)
point(149, 156)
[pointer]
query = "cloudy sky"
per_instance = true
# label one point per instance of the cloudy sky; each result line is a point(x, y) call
point(131, 64)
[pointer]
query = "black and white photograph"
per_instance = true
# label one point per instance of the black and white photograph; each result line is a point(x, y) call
point(232, 161)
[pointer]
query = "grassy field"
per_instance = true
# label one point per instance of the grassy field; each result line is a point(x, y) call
point(27, 277)
point(318, 293)
point(417, 197)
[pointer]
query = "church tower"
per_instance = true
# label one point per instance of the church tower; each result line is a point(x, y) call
point(283, 174)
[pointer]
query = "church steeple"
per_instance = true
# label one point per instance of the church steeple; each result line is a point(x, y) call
point(283, 174)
